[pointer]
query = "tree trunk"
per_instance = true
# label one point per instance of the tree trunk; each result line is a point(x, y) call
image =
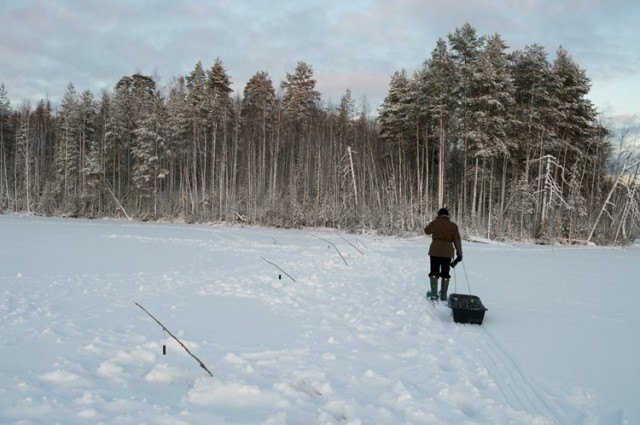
point(441, 158)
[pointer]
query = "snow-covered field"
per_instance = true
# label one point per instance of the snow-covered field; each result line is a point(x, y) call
point(351, 341)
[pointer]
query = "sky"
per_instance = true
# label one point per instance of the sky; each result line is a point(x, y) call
point(355, 44)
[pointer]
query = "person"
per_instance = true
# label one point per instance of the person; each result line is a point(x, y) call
point(445, 237)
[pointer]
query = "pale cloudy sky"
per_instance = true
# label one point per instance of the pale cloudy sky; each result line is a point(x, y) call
point(355, 44)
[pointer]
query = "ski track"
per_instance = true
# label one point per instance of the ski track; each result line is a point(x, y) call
point(365, 345)
point(518, 389)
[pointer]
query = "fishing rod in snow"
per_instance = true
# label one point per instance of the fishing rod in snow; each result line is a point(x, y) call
point(174, 337)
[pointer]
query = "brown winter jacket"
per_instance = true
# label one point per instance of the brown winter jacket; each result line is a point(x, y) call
point(445, 236)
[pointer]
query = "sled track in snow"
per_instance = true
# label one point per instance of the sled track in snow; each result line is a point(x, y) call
point(513, 383)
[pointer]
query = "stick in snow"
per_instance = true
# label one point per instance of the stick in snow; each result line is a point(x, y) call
point(174, 337)
point(118, 202)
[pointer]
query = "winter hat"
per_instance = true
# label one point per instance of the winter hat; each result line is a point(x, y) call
point(443, 211)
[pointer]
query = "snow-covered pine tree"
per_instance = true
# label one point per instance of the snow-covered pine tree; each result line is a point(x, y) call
point(44, 128)
point(441, 86)
point(88, 115)
point(300, 98)
point(118, 135)
point(348, 185)
point(148, 147)
point(490, 117)
point(257, 112)
point(67, 152)
point(535, 113)
point(23, 159)
point(578, 135)
point(465, 45)
point(5, 137)
point(198, 145)
point(393, 115)
point(300, 105)
point(222, 153)
point(96, 169)
point(395, 127)
point(179, 189)
point(578, 118)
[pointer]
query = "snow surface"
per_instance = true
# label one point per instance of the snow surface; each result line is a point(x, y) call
point(351, 341)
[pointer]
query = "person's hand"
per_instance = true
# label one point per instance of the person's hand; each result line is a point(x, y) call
point(456, 261)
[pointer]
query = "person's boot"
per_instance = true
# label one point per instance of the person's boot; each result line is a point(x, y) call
point(434, 287)
point(445, 288)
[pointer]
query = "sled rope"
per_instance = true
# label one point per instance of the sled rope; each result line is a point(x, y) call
point(174, 337)
point(455, 279)
point(466, 278)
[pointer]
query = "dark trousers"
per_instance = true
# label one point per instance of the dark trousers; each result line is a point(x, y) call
point(440, 267)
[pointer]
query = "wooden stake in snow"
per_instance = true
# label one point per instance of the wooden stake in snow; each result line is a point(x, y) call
point(174, 337)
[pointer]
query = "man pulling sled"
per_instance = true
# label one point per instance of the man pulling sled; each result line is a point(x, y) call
point(445, 237)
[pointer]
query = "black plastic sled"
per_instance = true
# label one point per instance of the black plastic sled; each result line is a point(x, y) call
point(466, 308)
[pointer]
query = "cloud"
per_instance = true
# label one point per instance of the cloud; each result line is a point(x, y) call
point(357, 44)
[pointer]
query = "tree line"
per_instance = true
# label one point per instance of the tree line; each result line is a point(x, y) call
point(507, 141)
